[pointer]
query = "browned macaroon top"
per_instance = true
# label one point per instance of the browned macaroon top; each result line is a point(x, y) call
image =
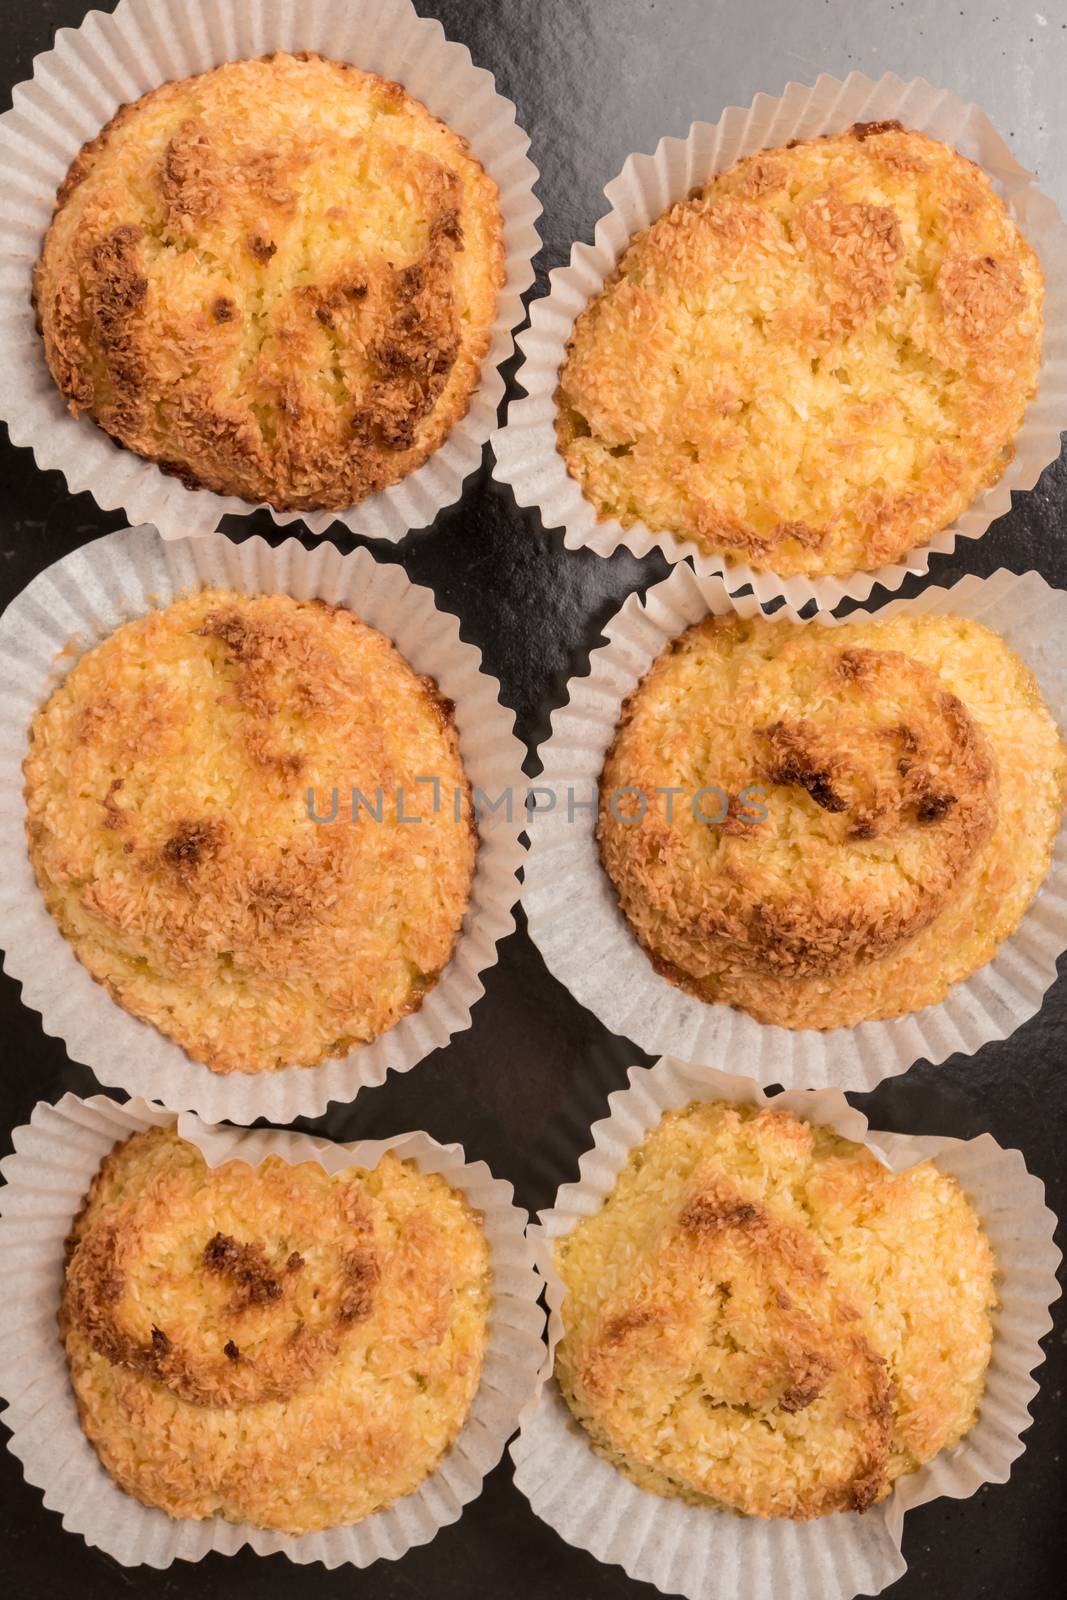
point(834, 824)
point(261, 1324)
point(761, 1316)
point(276, 279)
point(812, 364)
point(879, 788)
point(191, 822)
point(272, 1343)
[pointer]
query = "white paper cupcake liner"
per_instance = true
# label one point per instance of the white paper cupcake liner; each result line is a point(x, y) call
point(573, 914)
point(705, 1554)
point(113, 59)
point(83, 598)
point(56, 1156)
point(525, 448)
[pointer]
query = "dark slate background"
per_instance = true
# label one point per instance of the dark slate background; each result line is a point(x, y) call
point(594, 80)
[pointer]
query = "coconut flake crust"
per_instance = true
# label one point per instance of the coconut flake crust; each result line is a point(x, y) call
point(170, 786)
point(762, 1317)
point(277, 280)
point(814, 363)
point(892, 794)
point(272, 1344)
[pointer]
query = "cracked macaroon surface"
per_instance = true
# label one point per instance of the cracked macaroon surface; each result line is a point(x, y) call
point(762, 1317)
point(272, 1344)
point(814, 363)
point(277, 280)
point(877, 807)
point(179, 789)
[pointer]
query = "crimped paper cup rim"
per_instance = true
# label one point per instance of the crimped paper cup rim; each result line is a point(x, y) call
point(84, 596)
point(56, 1156)
point(113, 59)
point(703, 1553)
point(574, 919)
point(525, 450)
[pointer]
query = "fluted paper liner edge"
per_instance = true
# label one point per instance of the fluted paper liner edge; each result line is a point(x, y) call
point(80, 600)
point(114, 58)
point(573, 914)
point(702, 1553)
point(56, 1156)
point(525, 447)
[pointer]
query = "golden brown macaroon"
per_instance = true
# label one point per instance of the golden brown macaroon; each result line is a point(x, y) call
point(814, 363)
point(190, 822)
point(271, 1344)
point(863, 813)
point(762, 1317)
point(277, 280)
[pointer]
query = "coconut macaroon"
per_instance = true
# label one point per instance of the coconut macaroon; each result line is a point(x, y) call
point(860, 815)
point(815, 362)
point(180, 786)
point(277, 280)
point(763, 1317)
point(272, 1344)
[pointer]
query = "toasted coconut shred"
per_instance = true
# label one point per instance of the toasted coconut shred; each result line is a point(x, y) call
point(173, 784)
point(814, 363)
point(890, 795)
point(762, 1317)
point(272, 1344)
point(277, 280)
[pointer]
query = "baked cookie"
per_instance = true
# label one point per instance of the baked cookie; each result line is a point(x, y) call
point(277, 280)
point(190, 820)
point(861, 814)
point(814, 363)
point(762, 1317)
point(272, 1344)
